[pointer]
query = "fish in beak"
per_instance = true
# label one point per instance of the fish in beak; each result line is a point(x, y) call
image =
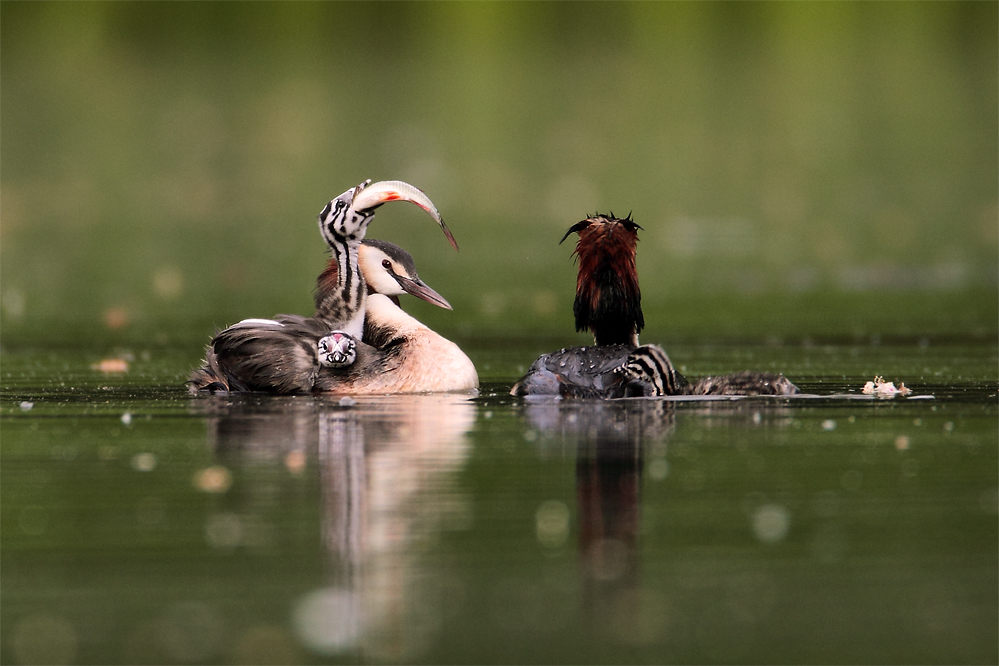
point(368, 196)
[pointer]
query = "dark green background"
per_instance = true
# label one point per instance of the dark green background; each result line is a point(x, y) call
point(800, 169)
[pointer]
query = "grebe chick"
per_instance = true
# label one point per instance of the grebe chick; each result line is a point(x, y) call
point(649, 372)
point(609, 304)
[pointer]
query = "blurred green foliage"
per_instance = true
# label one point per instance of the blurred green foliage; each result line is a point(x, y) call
point(798, 168)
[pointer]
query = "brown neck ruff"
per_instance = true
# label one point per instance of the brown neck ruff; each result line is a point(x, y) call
point(608, 298)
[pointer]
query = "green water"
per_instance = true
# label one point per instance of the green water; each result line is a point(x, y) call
point(142, 525)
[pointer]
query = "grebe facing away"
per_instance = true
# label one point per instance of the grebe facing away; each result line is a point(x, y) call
point(609, 304)
point(294, 354)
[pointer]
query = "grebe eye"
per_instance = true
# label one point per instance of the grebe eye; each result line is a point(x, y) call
point(386, 264)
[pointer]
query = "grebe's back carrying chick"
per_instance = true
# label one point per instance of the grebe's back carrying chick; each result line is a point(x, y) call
point(608, 303)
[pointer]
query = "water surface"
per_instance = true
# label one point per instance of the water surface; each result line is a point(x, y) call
point(141, 525)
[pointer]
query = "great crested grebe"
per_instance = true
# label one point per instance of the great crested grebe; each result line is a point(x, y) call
point(287, 354)
point(609, 304)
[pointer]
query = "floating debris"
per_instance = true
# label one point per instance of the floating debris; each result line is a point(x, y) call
point(25, 405)
point(883, 389)
point(111, 366)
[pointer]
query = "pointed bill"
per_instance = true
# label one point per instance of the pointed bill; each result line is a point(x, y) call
point(376, 194)
point(421, 290)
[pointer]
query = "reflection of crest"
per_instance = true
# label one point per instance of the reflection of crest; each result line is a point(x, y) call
point(383, 469)
point(609, 439)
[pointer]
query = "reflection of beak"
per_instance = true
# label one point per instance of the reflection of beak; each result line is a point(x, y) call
point(419, 289)
point(369, 197)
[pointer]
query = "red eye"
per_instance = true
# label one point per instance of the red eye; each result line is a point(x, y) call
point(386, 264)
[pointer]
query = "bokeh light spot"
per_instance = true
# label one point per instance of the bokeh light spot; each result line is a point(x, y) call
point(328, 620)
point(168, 282)
point(552, 524)
point(214, 479)
point(771, 523)
point(144, 462)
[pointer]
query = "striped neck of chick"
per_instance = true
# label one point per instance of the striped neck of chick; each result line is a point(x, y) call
point(341, 290)
point(608, 299)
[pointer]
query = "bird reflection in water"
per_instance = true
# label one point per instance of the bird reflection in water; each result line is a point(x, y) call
point(384, 465)
point(610, 439)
